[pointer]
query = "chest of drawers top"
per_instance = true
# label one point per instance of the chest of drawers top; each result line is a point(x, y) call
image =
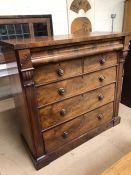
point(71, 88)
point(45, 50)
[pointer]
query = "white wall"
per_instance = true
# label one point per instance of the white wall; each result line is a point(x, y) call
point(34, 7)
point(102, 17)
point(100, 14)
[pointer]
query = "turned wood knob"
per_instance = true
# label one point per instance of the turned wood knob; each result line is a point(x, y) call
point(100, 116)
point(62, 112)
point(60, 72)
point(102, 61)
point(65, 134)
point(101, 78)
point(100, 97)
point(61, 91)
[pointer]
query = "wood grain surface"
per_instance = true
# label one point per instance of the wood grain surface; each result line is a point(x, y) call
point(71, 87)
point(100, 61)
point(50, 93)
point(64, 133)
point(81, 25)
point(70, 69)
point(76, 106)
point(122, 167)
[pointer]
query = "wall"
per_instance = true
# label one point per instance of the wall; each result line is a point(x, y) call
point(100, 14)
point(31, 7)
point(103, 10)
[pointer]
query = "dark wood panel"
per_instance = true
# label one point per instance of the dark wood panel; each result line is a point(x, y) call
point(76, 106)
point(64, 133)
point(61, 90)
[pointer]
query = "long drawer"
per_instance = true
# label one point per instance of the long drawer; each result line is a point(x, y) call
point(68, 109)
point(67, 88)
point(64, 133)
point(66, 69)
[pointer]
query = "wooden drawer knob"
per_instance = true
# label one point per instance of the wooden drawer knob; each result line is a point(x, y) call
point(61, 91)
point(65, 134)
point(100, 116)
point(100, 97)
point(101, 78)
point(62, 112)
point(60, 72)
point(102, 61)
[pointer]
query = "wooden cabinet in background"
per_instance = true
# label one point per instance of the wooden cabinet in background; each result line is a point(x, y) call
point(71, 88)
point(127, 17)
point(24, 26)
point(126, 89)
point(18, 27)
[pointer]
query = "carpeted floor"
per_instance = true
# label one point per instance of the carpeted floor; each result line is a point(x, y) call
point(91, 158)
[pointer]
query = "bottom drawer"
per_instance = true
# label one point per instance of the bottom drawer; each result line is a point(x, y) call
point(64, 133)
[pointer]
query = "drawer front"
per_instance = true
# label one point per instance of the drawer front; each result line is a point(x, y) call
point(57, 71)
point(64, 133)
point(67, 88)
point(68, 109)
point(100, 61)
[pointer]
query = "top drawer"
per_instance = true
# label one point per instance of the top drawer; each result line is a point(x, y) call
point(57, 71)
point(100, 61)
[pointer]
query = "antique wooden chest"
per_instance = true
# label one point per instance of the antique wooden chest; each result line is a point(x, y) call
point(71, 89)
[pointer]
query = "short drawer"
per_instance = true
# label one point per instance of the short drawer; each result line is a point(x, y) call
point(68, 109)
point(68, 88)
point(64, 133)
point(57, 71)
point(101, 61)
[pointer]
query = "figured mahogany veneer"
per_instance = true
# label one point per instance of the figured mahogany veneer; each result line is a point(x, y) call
point(71, 89)
point(83, 103)
point(53, 92)
point(75, 128)
point(58, 71)
point(101, 61)
point(73, 68)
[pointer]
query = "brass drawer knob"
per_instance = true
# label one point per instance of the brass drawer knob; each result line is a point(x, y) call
point(65, 135)
point(60, 72)
point(100, 116)
point(100, 97)
point(61, 91)
point(62, 112)
point(102, 61)
point(101, 78)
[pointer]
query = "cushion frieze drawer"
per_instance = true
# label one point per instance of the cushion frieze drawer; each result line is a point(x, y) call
point(70, 108)
point(57, 71)
point(101, 61)
point(57, 91)
point(64, 133)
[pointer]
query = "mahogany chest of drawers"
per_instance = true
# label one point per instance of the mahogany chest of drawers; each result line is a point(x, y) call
point(71, 89)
